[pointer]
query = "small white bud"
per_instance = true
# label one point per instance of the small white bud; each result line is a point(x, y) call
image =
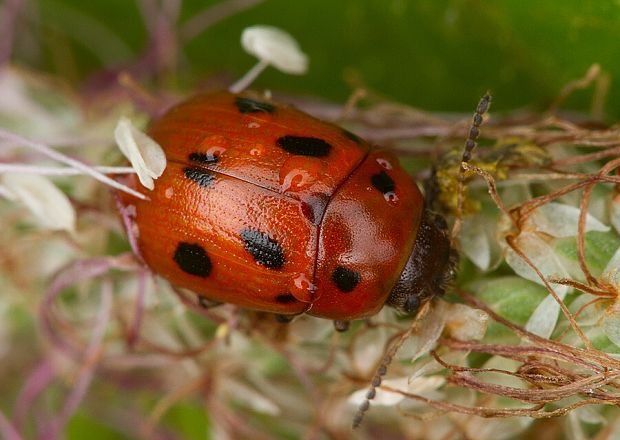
point(278, 48)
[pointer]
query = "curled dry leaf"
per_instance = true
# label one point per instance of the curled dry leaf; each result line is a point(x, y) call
point(561, 220)
point(50, 206)
point(276, 47)
point(145, 155)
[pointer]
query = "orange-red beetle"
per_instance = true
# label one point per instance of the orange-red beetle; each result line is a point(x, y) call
point(268, 208)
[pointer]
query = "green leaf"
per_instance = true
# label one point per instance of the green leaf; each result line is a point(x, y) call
point(512, 298)
point(435, 54)
point(82, 426)
point(600, 247)
point(190, 419)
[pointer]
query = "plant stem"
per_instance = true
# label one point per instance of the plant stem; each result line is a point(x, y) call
point(249, 77)
point(59, 171)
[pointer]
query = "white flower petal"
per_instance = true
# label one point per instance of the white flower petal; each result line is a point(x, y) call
point(545, 317)
point(429, 328)
point(612, 270)
point(543, 320)
point(611, 324)
point(50, 205)
point(560, 220)
point(418, 385)
point(369, 349)
point(466, 323)
point(477, 428)
point(5, 193)
point(614, 214)
point(251, 398)
point(25, 106)
point(475, 243)
point(588, 414)
point(588, 316)
point(541, 255)
point(275, 46)
point(574, 428)
point(145, 155)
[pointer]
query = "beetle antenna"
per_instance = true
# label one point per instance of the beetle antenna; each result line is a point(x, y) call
point(377, 378)
point(474, 129)
point(470, 144)
point(383, 366)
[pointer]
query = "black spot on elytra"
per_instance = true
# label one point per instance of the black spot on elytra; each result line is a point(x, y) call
point(355, 138)
point(201, 176)
point(285, 298)
point(203, 158)
point(383, 182)
point(246, 105)
point(345, 279)
point(193, 259)
point(265, 250)
point(304, 146)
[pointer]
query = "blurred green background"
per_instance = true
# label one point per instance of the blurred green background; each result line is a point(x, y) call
point(435, 54)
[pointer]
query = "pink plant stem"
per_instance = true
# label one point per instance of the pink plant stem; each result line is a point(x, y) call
point(70, 275)
point(62, 158)
point(134, 332)
point(7, 430)
point(247, 79)
point(91, 354)
point(36, 383)
point(10, 13)
point(58, 171)
point(129, 229)
point(212, 15)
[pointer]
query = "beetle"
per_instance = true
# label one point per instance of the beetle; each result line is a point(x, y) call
point(266, 207)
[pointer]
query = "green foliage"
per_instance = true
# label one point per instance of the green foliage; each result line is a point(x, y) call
point(438, 55)
point(189, 419)
point(82, 425)
point(600, 247)
point(512, 298)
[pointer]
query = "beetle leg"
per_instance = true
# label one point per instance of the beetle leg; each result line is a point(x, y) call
point(341, 326)
point(207, 303)
point(284, 319)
